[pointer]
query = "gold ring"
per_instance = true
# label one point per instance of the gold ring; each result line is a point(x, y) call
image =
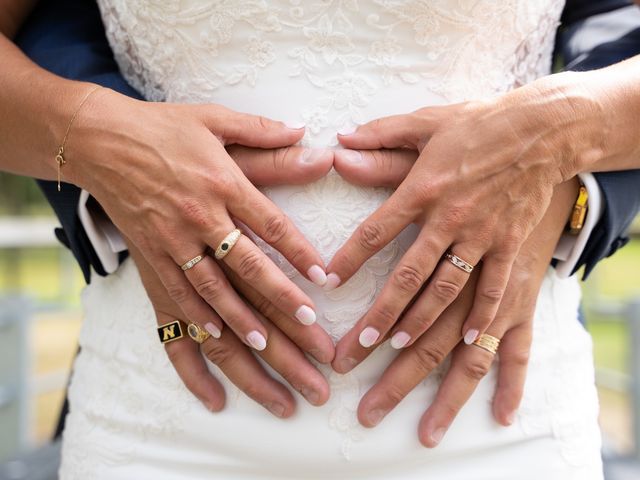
point(197, 334)
point(488, 343)
point(227, 244)
point(170, 332)
point(458, 262)
point(192, 263)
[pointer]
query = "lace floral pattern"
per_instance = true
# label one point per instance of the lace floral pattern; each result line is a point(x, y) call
point(337, 60)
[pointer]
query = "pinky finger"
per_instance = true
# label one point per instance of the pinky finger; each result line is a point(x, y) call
point(512, 372)
point(192, 369)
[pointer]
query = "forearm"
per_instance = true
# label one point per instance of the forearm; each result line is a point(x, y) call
point(581, 121)
point(35, 109)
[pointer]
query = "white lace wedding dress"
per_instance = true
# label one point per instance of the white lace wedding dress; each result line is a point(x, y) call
point(329, 64)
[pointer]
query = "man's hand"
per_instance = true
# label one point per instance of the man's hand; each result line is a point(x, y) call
point(288, 340)
point(162, 174)
point(469, 363)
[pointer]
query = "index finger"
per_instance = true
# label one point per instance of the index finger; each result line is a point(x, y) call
point(371, 236)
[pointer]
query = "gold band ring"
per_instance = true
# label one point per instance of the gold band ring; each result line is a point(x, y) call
point(458, 262)
point(192, 263)
point(227, 244)
point(488, 342)
point(170, 332)
point(197, 334)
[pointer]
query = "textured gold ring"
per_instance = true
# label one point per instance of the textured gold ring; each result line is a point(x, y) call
point(458, 262)
point(192, 263)
point(227, 244)
point(197, 334)
point(488, 342)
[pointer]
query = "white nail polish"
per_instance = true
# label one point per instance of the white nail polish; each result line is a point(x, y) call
point(353, 157)
point(256, 340)
point(438, 435)
point(213, 330)
point(399, 340)
point(333, 281)
point(368, 337)
point(295, 125)
point(347, 130)
point(306, 315)
point(471, 336)
point(511, 417)
point(317, 275)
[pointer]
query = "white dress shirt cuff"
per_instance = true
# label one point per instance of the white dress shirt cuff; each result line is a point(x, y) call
point(102, 233)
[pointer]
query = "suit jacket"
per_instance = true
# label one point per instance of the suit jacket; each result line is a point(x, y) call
point(67, 37)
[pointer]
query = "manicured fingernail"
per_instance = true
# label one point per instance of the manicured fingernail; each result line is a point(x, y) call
point(437, 435)
point(306, 315)
point(347, 364)
point(317, 275)
point(312, 155)
point(471, 336)
point(213, 330)
point(256, 340)
point(277, 409)
point(399, 340)
point(375, 417)
point(295, 125)
point(347, 130)
point(511, 417)
point(351, 156)
point(311, 395)
point(333, 281)
point(368, 337)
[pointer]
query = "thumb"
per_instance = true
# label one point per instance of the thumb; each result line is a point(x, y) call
point(282, 166)
point(375, 168)
point(250, 130)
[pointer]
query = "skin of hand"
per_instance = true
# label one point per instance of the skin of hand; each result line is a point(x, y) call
point(469, 364)
point(484, 177)
point(162, 174)
point(288, 340)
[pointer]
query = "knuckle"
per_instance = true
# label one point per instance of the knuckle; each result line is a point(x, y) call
point(371, 236)
point(209, 289)
point(195, 212)
point(491, 295)
point(475, 370)
point(394, 394)
point(172, 353)
point(384, 314)
point(179, 293)
point(519, 358)
point(408, 279)
point(445, 290)
point(262, 122)
point(285, 296)
point(418, 323)
point(223, 185)
point(428, 357)
point(217, 352)
point(275, 228)
point(251, 266)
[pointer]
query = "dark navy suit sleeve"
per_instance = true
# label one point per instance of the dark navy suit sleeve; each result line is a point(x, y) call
point(597, 34)
point(67, 38)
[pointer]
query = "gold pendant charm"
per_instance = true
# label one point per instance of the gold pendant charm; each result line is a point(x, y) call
point(60, 161)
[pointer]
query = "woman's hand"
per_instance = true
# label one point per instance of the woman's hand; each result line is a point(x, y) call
point(162, 174)
point(469, 364)
point(288, 340)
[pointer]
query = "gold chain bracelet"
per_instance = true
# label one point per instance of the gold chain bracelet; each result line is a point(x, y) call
point(60, 156)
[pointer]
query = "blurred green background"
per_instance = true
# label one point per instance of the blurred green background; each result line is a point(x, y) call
point(48, 276)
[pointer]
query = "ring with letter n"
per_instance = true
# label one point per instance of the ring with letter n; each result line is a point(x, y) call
point(170, 332)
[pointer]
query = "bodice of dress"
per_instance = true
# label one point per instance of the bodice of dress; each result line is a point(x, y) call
point(331, 64)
